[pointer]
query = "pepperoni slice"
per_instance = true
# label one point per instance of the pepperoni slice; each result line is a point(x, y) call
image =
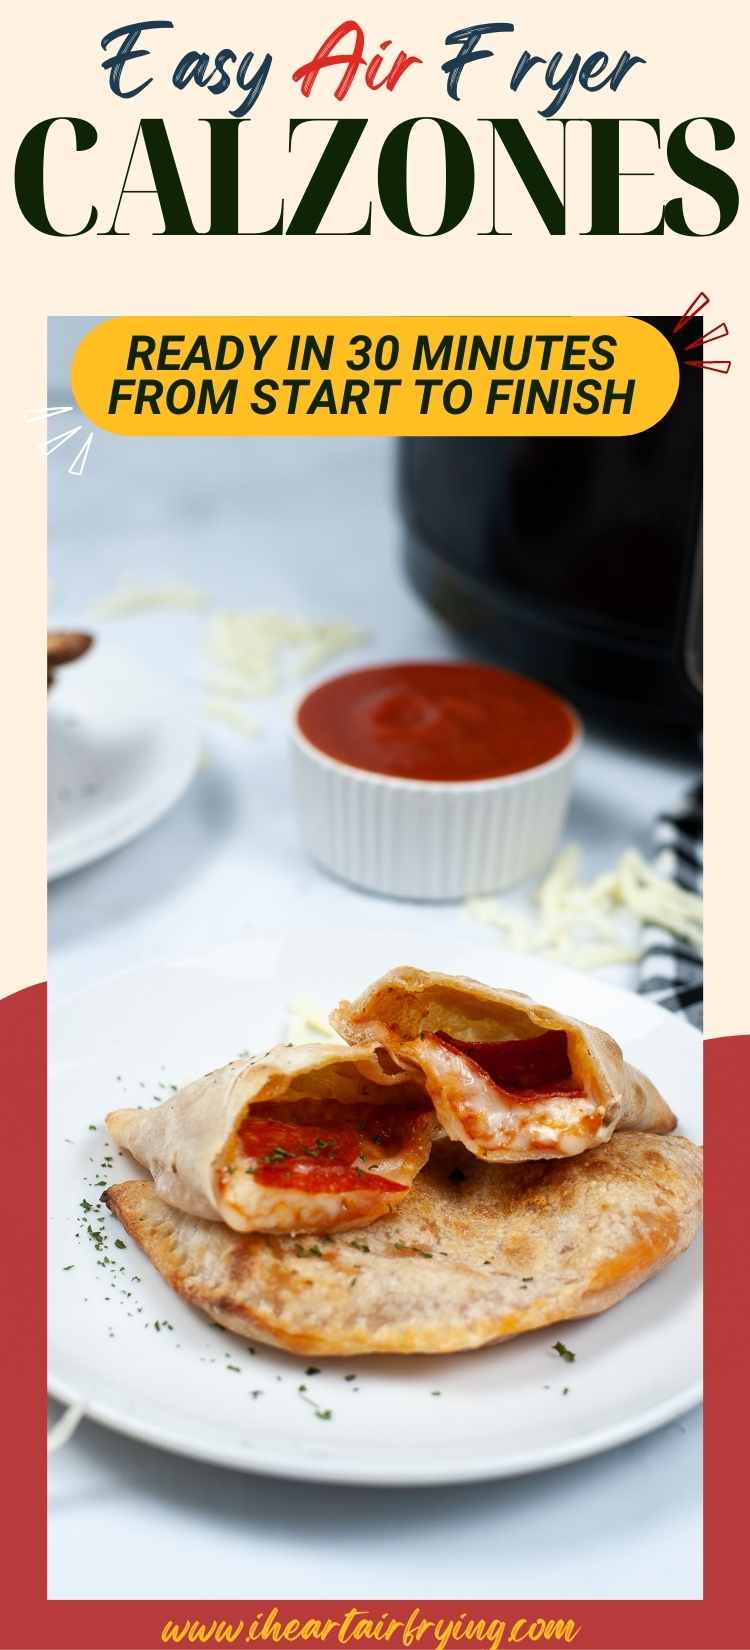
point(266, 1138)
point(529, 1068)
point(304, 1175)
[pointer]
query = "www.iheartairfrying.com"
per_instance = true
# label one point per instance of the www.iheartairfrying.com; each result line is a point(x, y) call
point(360, 1626)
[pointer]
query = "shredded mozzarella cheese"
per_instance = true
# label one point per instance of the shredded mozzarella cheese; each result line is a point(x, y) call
point(254, 654)
point(257, 652)
point(591, 925)
point(130, 600)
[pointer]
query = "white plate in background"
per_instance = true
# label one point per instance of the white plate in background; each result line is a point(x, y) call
point(189, 1387)
point(120, 752)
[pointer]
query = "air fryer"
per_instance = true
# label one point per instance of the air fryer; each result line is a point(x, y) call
point(573, 559)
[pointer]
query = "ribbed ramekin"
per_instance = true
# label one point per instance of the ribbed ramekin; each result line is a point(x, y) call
point(427, 839)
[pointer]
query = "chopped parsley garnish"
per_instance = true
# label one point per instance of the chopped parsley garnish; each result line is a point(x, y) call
point(320, 1414)
point(312, 1370)
point(119, 1244)
point(564, 1352)
point(320, 1146)
point(364, 1248)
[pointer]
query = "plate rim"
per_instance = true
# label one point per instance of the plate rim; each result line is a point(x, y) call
point(323, 1471)
point(163, 793)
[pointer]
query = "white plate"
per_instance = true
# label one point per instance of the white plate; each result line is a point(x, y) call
point(120, 752)
point(189, 1387)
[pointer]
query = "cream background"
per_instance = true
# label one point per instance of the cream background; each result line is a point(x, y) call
point(693, 68)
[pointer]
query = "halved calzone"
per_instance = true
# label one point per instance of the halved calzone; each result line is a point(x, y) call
point(510, 1079)
point(297, 1140)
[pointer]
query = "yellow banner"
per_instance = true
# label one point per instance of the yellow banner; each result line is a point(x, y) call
point(375, 375)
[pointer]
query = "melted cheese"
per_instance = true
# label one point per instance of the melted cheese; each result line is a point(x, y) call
point(475, 1108)
point(283, 1209)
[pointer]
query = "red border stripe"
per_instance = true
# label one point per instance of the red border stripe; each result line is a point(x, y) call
point(30, 1622)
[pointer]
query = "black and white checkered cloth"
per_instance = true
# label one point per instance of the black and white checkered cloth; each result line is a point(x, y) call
point(671, 971)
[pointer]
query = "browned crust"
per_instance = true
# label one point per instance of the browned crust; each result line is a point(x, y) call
point(476, 1254)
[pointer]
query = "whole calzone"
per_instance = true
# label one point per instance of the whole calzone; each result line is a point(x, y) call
point(510, 1079)
point(475, 1253)
point(296, 1140)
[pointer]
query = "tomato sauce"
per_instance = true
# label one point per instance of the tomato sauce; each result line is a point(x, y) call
point(437, 722)
point(391, 1127)
point(529, 1068)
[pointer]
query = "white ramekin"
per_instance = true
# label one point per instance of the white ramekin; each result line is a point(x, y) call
point(425, 839)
